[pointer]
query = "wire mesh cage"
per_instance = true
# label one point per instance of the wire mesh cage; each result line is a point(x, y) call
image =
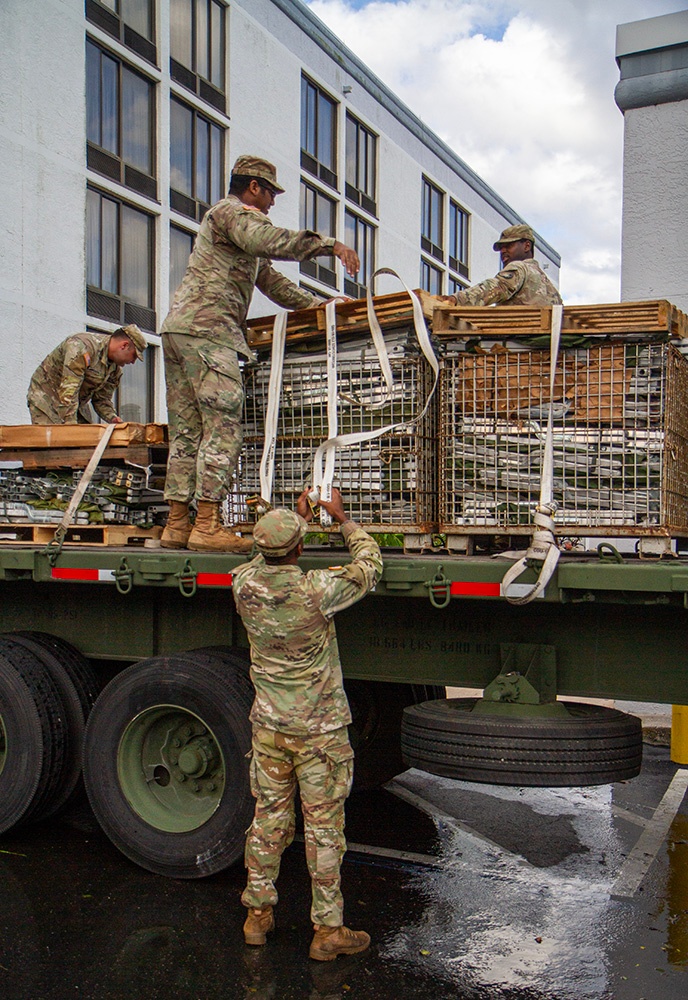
point(620, 443)
point(389, 483)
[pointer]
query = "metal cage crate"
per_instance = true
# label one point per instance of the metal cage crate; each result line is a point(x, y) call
point(389, 484)
point(620, 440)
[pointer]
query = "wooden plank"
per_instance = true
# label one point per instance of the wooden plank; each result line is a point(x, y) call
point(83, 534)
point(78, 458)
point(79, 435)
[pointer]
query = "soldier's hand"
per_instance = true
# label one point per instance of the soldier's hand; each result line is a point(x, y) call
point(348, 257)
point(335, 507)
point(303, 507)
point(116, 420)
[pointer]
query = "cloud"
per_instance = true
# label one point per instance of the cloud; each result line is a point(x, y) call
point(523, 91)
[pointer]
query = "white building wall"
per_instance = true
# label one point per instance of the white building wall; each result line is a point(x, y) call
point(269, 44)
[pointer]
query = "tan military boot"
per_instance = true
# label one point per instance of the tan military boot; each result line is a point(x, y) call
point(209, 535)
point(178, 528)
point(257, 924)
point(328, 942)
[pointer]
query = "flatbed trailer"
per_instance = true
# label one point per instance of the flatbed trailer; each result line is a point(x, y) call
point(165, 746)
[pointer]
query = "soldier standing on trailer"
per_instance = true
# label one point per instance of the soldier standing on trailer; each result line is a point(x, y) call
point(521, 282)
point(203, 335)
point(300, 716)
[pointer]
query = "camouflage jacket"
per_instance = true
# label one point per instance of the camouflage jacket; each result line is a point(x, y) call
point(288, 615)
point(231, 255)
point(76, 373)
point(521, 283)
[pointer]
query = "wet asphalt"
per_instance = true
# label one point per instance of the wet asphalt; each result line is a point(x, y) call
point(469, 891)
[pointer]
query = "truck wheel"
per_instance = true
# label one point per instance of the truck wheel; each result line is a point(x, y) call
point(77, 686)
point(32, 739)
point(165, 761)
point(593, 746)
point(376, 711)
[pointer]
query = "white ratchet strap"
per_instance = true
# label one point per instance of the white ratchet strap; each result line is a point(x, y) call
point(267, 462)
point(543, 545)
point(322, 480)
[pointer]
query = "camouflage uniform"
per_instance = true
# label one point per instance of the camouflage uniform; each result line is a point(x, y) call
point(521, 283)
point(204, 332)
point(77, 372)
point(299, 715)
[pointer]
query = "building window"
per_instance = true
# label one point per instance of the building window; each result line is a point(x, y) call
point(120, 261)
point(361, 165)
point(318, 133)
point(454, 285)
point(120, 122)
point(129, 21)
point(432, 233)
point(319, 214)
point(430, 277)
point(181, 245)
point(361, 236)
point(458, 239)
point(197, 45)
point(134, 398)
point(197, 162)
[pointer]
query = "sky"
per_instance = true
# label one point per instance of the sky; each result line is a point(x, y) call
point(523, 92)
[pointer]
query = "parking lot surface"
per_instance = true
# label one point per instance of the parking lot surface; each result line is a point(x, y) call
point(469, 891)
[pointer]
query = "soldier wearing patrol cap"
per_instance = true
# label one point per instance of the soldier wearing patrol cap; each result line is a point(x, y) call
point(300, 716)
point(203, 336)
point(521, 282)
point(85, 368)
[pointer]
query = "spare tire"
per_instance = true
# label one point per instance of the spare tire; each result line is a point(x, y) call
point(590, 745)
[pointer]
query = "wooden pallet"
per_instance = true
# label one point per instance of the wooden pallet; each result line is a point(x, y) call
point(78, 458)
point(352, 317)
point(649, 317)
point(84, 534)
point(79, 435)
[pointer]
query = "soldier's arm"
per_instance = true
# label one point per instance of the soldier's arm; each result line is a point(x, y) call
point(102, 397)
point(340, 588)
point(493, 291)
point(281, 290)
point(255, 234)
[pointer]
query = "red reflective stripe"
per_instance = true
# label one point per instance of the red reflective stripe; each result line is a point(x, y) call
point(75, 574)
point(214, 579)
point(474, 589)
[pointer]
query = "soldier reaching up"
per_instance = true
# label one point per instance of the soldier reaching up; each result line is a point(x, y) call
point(300, 716)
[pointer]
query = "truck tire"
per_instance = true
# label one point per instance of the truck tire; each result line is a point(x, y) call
point(78, 688)
point(33, 748)
point(165, 761)
point(593, 746)
point(375, 730)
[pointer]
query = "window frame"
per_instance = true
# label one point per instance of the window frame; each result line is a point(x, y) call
point(432, 268)
point(114, 305)
point(354, 287)
point(104, 161)
point(431, 220)
point(113, 23)
point(191, 205)
point(211, 88)
point(192, 236)
point(458, 238)
point(310, 158)
point(366, 196)
point(314, 268)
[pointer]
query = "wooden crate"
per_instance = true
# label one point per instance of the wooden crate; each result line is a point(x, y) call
point(83, 534)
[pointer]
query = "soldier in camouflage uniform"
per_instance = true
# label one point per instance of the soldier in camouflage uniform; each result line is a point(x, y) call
point(521, 282)
point(203, 335)
point(300, 716)
point(85, 368)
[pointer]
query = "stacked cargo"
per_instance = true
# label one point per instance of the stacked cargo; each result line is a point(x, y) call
point(620, 420)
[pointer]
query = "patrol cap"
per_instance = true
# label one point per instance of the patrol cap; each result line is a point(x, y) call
point(253, 166)
point(136, 337)
point(278, 532)
point(512, 234)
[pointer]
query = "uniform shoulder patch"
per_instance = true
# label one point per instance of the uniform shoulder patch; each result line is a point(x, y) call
point(87, 358)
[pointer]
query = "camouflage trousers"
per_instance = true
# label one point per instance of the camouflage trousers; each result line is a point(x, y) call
point(205, 397)
point(322, 766)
